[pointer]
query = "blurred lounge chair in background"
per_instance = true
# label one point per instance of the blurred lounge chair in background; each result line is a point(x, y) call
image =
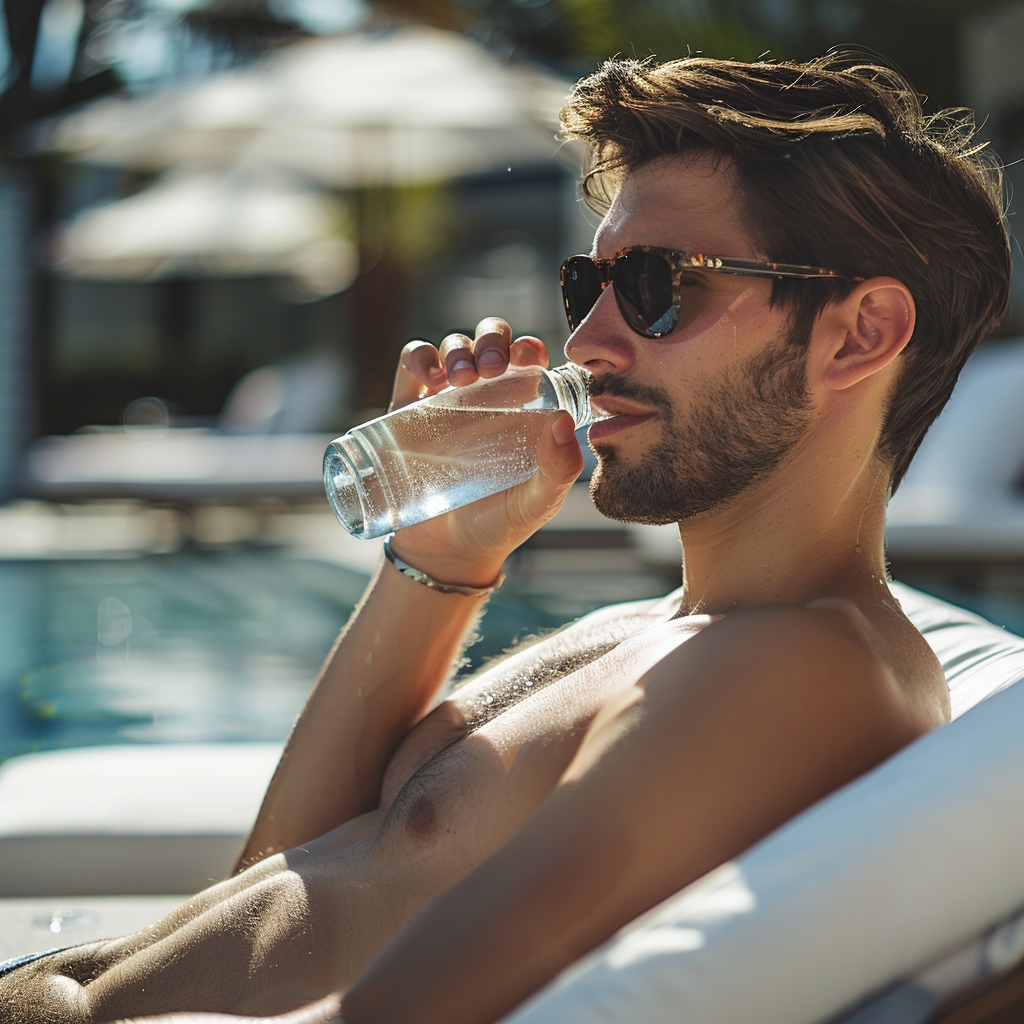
point(962, 498)
point(266, 444)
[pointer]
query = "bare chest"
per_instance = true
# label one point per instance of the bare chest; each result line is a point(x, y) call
point(479, 766)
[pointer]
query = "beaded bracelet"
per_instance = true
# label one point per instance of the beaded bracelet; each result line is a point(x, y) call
point(428, 581)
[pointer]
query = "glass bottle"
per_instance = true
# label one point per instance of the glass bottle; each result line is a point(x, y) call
point(447, 450)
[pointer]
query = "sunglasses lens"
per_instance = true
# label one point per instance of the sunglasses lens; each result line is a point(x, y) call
point(581, 288)
point(643, 289)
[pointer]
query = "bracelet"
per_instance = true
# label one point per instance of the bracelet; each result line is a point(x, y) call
point(428, 581)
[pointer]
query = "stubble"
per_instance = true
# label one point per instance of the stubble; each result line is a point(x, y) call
point(734, 435)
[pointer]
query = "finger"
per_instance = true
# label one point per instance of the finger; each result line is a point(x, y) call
point(528, 351)
point(559, 463)
point(420, 373)
point(457, 354)
point(491, 346)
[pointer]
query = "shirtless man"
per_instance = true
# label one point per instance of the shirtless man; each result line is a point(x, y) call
point(438, 862)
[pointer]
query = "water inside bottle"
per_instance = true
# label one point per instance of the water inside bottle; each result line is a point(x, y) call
point(447, 451)
point(438, 458)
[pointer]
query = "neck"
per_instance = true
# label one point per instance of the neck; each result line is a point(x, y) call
point(789, 543)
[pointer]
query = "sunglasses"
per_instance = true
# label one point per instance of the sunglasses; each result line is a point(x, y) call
point(657, 290)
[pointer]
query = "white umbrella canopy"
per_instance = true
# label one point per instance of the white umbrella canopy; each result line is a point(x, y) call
point(416, 76)
point(411, 104)
point(355, 157)
point(207, 124)
point(214, 223)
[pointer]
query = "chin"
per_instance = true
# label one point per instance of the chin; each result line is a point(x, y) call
point(635, 494)
point(628, 504)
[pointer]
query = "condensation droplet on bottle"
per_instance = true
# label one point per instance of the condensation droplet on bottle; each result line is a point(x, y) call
point(857, 549)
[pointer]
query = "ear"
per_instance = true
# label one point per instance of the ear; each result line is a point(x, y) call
point(866, 331)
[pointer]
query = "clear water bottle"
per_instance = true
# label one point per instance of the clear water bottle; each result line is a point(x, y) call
point(447, 450)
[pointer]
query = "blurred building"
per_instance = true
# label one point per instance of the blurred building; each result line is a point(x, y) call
point(84, 337)
point(428, 159)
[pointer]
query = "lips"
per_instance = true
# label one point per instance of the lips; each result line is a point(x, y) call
point(615, 416)
point(610, 405)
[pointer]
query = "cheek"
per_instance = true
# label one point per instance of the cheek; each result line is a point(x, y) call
point(736, 323)
point(712, 339)
point(720, 314)
point(750, 308)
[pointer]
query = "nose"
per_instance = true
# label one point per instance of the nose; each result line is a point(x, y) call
point(602, 342)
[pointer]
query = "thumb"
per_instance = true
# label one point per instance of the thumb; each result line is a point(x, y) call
point(559, 463)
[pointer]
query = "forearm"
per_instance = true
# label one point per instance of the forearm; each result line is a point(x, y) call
point(379, 679)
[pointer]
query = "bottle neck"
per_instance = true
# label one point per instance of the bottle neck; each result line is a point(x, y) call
point(572, 385)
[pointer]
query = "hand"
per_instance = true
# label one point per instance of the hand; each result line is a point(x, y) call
point(469, 545)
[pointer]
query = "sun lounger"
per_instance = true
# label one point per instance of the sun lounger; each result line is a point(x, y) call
point(856, 908)
point(266, 442)
point(34, 924)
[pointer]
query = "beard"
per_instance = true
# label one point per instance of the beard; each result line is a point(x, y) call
point(734, 435)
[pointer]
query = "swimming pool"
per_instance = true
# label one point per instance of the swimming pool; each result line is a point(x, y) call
point(195, 646)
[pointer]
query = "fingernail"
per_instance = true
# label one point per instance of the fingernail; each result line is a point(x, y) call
point(436, 373)
point(563, 431)
point(462, 364)
point(492, 357)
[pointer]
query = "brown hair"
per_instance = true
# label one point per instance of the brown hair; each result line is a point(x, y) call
point(838, 167)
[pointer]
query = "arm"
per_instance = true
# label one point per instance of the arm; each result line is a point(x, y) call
point(377, 682)
point(735, 732)
point(398, 648)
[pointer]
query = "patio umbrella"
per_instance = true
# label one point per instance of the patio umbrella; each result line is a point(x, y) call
point(214, 223)
point(407, 105)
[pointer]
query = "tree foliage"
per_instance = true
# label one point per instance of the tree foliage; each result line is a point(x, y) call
point(922, 37)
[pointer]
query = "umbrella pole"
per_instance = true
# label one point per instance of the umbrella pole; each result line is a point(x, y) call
point(378, 299)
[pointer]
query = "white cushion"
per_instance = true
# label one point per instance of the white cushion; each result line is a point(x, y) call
point(979, 659)
point(166, 818)
point(158, 789)
point(893, 870)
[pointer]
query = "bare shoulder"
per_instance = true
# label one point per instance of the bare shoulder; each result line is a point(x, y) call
point(844, 670)
point(732, 732)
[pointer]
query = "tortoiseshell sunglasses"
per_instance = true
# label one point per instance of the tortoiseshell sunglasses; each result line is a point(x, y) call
point(649, 284)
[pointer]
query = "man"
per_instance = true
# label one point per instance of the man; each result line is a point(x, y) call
point(793, 266)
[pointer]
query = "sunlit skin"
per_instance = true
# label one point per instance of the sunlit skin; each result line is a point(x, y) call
point(804, 525)
point(670, 736)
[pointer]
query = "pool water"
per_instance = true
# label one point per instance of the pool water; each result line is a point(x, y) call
point(197, 646)
point(221, 645)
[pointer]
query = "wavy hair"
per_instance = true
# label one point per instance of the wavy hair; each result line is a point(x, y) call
point(837, 165)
